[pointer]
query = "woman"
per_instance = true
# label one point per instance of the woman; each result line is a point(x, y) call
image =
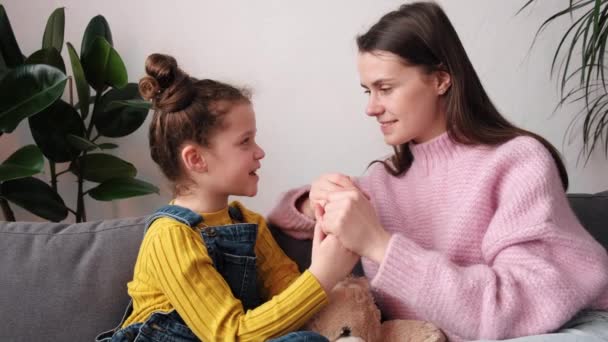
point(467, 225)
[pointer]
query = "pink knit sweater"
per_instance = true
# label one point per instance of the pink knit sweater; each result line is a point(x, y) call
point(484, 243)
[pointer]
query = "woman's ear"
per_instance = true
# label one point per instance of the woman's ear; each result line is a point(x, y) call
point(193, 159)
point(444, 81)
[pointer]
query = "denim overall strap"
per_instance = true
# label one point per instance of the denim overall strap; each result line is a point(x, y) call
point(235, 214)
point(181, 214)
point(232, 249)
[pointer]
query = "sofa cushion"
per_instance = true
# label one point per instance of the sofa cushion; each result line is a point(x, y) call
point(65, 282)
point(592, 211)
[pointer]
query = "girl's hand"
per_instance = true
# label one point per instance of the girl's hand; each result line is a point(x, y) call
point(330, 261)
point(349, 216)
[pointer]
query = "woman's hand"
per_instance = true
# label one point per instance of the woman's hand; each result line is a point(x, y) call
point(325, 185)
point(330, 261)
point(350, 216)
point(320, 189)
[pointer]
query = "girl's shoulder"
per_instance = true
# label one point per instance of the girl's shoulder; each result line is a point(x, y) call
point(167, 225)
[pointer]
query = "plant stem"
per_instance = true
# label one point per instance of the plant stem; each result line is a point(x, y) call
point(62, 172)
point(90, 128)
point(53, 175)
point(70, 86)
point(6, 210)
point(80, 214)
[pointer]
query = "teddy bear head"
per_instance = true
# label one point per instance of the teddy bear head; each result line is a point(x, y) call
point(351, 314)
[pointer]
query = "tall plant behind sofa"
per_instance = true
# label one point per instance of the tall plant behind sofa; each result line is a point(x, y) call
point(72, 138)
point(579, 64)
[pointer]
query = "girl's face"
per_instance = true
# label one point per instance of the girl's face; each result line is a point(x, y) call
point(233, 157)
point(406, 101)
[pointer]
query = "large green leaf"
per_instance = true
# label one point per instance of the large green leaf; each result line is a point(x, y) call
point(99, 167)
point(103, 66)
point(120, 188)
point(49, 56)
point(25, 162)
point(8, 44)
point(97, 27)
point(51, 129)
point(27, 90)
point(53, 33)
point(82, 87)
point(114, 118)
point(81, 143)
point(139, 103)
point(35, 196)
point(3, 67)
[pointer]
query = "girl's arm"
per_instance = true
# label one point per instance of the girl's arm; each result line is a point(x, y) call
point(183, 270)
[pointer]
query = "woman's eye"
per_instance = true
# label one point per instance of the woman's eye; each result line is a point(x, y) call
point(366, 92)
point(385, 90)
point(246, 141)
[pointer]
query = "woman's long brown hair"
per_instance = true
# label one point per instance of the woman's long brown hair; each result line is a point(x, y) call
point(422, 35)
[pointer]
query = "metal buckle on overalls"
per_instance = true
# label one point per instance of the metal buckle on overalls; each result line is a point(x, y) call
point(202, 227)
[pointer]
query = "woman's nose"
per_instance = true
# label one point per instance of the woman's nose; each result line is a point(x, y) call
point(374, 108)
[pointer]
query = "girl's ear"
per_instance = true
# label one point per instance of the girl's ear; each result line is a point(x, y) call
point(193, 159)
point(444, 81)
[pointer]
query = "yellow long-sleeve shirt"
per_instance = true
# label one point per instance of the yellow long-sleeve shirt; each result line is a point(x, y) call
point(174, 271)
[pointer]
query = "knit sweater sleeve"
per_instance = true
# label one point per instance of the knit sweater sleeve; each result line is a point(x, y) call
point(178, 261)
point(539, 264)
point(287, 218)
point(292, 222)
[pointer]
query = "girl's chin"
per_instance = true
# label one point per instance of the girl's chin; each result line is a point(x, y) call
point(249, 192)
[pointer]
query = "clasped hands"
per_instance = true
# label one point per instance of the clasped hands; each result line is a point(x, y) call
point(343, 210)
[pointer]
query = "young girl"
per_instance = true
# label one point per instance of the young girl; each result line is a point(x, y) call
point(201, 260)
point(467, 225)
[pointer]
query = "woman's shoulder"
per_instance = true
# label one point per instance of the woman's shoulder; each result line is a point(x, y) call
point(523, 152)
point(523, 144)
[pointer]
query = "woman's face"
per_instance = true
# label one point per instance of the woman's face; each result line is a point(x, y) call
point(406, 101)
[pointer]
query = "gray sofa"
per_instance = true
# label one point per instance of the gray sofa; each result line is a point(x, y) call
point(67, 282)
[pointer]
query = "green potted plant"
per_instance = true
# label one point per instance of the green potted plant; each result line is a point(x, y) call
point(578, 63)
point(71, 137)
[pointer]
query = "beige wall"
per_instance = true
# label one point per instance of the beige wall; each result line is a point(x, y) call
point(298, 56)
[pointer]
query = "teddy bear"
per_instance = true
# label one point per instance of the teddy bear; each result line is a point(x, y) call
point(352, 315)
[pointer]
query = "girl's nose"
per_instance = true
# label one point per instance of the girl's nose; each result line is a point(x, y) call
point(259, 154)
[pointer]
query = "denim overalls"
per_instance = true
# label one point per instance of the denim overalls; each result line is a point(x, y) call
point(232, 249)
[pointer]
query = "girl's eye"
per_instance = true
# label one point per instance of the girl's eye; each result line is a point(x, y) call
point(246, 141)
point(366, 91)
point(385, 90)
